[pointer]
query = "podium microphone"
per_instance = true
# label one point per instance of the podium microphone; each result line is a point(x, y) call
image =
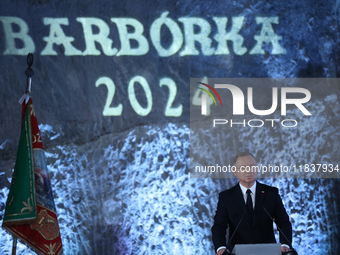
point(292, 251)
point(238, 224)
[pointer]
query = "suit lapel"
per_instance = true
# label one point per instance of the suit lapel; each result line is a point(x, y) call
point(259, 198)
point(239, 199)
point(241, 203)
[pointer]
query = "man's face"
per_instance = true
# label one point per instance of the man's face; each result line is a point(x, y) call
point(246, 170)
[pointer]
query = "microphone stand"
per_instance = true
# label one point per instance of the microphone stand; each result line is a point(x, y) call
point(226, 250)
point(292, 251)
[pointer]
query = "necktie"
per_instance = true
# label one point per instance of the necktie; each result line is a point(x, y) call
point(250, 205)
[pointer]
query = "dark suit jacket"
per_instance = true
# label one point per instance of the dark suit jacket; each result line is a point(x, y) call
point(231, 207)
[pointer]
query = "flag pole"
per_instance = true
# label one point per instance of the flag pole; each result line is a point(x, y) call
point(29, 73)
point(14, 247)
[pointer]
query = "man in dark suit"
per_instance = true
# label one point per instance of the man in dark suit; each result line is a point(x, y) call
point(249, 199)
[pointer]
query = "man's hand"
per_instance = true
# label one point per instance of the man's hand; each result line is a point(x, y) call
point(220, 252)
point(284, 249)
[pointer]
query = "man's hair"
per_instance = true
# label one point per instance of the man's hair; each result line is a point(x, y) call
point(242, 154)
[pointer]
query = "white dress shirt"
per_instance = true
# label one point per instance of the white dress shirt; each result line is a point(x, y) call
point(252, 194)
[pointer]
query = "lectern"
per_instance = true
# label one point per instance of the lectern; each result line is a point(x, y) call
point(257, 249)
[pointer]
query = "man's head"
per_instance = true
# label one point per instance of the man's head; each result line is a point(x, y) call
point(245, 164)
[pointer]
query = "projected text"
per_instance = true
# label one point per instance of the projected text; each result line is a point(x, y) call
point(185, 33)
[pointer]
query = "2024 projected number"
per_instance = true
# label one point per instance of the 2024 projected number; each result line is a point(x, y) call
point(169, 111)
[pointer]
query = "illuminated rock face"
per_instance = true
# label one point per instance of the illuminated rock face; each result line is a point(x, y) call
point(132, 193)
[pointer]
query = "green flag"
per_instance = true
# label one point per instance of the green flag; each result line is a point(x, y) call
point(21, 206)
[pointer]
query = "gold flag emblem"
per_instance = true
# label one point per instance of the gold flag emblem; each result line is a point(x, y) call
point(46, 225)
